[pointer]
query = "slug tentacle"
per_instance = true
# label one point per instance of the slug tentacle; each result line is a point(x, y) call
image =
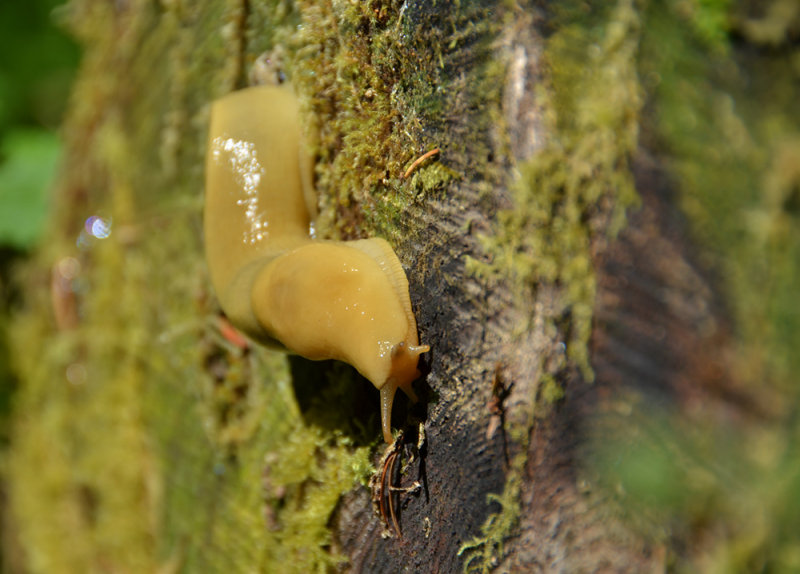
point(344, 300)
point(387, 399)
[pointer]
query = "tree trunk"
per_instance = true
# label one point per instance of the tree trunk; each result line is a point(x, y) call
point(567, 260)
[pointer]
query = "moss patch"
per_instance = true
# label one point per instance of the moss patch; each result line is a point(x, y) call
point(579, 184)
point(571, 191)
point(376, 83)
point(482, 553)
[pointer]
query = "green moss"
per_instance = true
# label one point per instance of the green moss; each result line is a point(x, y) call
point(550, 391)
point(376, 91)
point(304, 493)
point(481, 554)
point(579, 184)
point(85, 461)
point(709, 20)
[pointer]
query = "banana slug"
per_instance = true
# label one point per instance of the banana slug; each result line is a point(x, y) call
point(344, 300)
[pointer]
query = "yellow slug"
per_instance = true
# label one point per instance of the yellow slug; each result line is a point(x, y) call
point(344, 300)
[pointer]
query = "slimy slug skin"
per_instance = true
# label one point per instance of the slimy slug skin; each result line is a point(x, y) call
point(344, 300)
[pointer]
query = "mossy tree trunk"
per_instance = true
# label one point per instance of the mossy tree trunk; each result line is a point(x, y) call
point(550, 271)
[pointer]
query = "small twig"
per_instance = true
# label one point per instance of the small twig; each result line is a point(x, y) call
point(390, 496)
point(386, 485)
point(413, 487)
point(418, 161)
point(497, 410)
point(387, 464)
point(231, 334)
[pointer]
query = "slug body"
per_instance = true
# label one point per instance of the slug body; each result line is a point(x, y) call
point(344, 300)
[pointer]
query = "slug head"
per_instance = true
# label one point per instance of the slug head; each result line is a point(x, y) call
point(403, 372)
point(328, 300)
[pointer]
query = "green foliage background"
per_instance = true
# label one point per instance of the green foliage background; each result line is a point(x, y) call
point(37, 64)
point(722, 80)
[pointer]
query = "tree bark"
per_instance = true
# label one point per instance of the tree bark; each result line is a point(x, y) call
point(551, 270)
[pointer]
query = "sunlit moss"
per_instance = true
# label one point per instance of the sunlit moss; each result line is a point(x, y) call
point(376, 86)
point(481, 554)
point(85, 460)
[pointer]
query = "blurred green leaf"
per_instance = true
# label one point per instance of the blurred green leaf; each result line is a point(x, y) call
point(37, 64)
point(26, 174)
